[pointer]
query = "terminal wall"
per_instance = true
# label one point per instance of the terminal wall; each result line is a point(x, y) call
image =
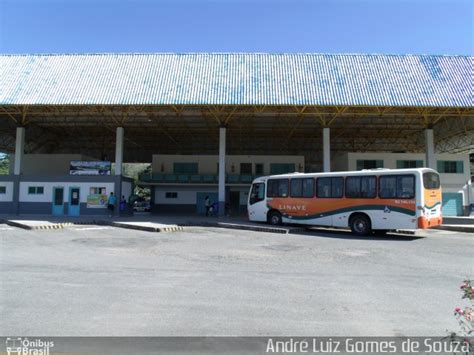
point(51, 164)
point(164, 163)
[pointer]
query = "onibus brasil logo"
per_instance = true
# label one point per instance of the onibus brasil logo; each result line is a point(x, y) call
point(25, 346)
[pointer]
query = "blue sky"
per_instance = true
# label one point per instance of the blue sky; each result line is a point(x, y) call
point(337, 26)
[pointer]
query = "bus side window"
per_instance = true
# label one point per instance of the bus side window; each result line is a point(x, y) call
point(406, 186)
point(272, 188)
point(361, 187)
point(388, 187)
point(308, 187)
point(368, 187)
point(353, 187)
point(283, 188)
point(337, 187)
point(397, 186)
point(323, 187)
point(296, 188)
point(278, 188)
point(330, 187)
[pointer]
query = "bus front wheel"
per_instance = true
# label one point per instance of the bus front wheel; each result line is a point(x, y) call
point(360, 225)
point(274, 218)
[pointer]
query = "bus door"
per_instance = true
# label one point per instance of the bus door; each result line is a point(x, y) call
point(257, 208)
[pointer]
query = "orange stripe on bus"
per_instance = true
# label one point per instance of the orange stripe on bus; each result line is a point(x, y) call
point(309, 206)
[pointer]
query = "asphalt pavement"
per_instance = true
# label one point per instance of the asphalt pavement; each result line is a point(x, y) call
point(101, 280)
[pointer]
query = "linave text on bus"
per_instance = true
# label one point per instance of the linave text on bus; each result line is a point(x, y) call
point(292, 207)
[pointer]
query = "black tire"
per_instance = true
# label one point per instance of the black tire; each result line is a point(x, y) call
point(274, 218)
point(360, 225)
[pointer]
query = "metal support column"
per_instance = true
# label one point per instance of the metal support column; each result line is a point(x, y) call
point(118, 166)
point(326, 150)
point(221, 188)
point(119, 151)
point(18, 167)
point(19, 150)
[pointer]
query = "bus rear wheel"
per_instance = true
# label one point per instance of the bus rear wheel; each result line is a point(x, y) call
point(360, 225)
point(274, 218)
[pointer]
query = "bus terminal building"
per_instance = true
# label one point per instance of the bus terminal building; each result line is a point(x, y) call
point(210, 123)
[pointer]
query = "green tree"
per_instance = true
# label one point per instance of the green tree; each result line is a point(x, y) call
point(4, 164)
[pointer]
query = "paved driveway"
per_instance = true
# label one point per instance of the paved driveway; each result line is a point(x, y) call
point(91, 280)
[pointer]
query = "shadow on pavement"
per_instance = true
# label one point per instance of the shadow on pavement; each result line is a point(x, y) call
point(345, 234)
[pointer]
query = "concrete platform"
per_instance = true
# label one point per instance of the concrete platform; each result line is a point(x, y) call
point(467, 228)
point(469, 220)
point(173, 223)
point(149, 223)
point(37, 224)
point(256, 227)
point(147, 226)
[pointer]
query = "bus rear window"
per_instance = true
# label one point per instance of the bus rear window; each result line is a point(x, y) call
point(431, 181)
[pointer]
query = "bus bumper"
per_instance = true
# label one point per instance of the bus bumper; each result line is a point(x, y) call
point(424, 223)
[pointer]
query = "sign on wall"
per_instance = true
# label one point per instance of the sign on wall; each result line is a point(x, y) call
point(79, 167)
point(96, 201)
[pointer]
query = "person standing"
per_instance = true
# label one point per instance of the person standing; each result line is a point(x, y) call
point(111, 203)
point(207, 204)
point(123, 204)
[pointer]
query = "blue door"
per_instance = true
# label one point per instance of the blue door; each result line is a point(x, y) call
point(58, 201)
point(200, 196)
point(452, 204)
point(74, 201)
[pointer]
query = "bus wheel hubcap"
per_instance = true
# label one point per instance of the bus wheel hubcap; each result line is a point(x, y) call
point(360, 226)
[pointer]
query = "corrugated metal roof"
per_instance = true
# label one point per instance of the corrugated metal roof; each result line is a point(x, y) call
point(237, 79)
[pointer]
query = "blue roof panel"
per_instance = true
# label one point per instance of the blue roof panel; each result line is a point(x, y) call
point(237, 79)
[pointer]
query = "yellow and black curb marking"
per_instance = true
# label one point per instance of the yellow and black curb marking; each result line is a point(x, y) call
point(170, 229)
point(40, 227)
point(256, 228)
point(53, 226)
point(173, 228)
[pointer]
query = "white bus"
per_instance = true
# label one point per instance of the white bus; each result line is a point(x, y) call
point(364, 201)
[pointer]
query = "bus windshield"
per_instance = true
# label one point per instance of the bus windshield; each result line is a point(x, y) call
point(258, 193)
point(431, 181)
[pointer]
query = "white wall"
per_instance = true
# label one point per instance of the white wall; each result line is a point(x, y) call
point(208, 163)
point(46, 164)
point(8, 195)
point(339, 162)
point(186, 194)
point(244, 194)
point(47, 195)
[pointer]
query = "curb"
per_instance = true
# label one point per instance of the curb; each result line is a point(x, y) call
point(253, 228)
point(225, 225)
point(456, 228)
point(40, 227)
point(173, 228)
